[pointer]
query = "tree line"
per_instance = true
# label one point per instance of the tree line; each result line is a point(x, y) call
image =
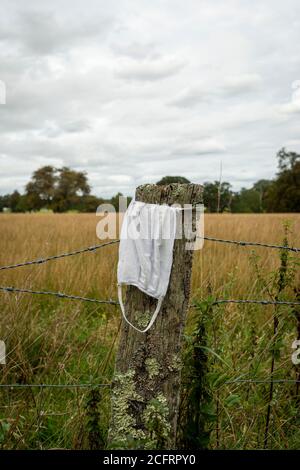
point(57, 190)
point(64, 189)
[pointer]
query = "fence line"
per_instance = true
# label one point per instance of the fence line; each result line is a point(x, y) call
point(82, 385)
point(112, 242)
point(261, 381)
point(87, 385)
point(58, 294)
point(242, 243)
point(250, 301)
point(10, 289)
point(62, 255)
point(115, 302)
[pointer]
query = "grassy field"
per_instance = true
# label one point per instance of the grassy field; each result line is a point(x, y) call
point(57, 341)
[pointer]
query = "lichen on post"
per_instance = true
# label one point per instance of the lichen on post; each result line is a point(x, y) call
point(146, 384)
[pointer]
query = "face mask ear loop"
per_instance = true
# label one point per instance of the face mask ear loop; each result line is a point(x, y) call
point(158, 306)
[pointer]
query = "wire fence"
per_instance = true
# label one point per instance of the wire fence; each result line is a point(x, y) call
point(243, 243)
point(109, 385)
point(116, 303)
point(59, 294)
point(261, 381)
point(93, 248)
point(61, 255)
point(79, 385)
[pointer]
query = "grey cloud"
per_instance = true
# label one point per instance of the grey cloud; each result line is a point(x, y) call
point(205, 147)
point(243, 83)
point(55, 129)
point(77, 126)
point(42, 31)
point(131, 91)
point(150, 70)
point(135, 50)
point(293, 106)
point(228, 87)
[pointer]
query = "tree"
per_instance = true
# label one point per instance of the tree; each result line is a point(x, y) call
point(4, 202)
point(284, 193)
point(14, 200)
point(211, 195)
point(247, 200)
point(22, 205)
point(40, 190)
point(116, 203)
point(262, 186)
point(172, 179)
point(71, 186)
point(89, 203)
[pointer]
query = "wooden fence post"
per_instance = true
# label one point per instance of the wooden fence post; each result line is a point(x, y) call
point(146, 384)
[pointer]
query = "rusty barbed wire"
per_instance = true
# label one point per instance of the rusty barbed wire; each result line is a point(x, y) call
point(261, 381)
point(250, 301)
point(57, 294)
point(112, 242)
point(61, 255)
point(82, 385)
point(109, 385)
point(244, 243)
point(112, 302)
point(115, 302)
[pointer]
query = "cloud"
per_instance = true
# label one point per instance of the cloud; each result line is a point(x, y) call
point(120, 178)
point(244, 83)
point(150, 70)
point(135, 50)
point(55, 129)
point(231, 86)
point(42, 31)
point(204, 147)
point(131, 91)
point(293, 106)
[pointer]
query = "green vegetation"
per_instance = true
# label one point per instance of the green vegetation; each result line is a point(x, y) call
point(282, 194)
point(227, 351)
point(56, 190)
point(66, 190)
point(172, 179)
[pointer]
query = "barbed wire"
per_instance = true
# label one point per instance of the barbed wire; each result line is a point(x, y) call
point(57, 294)
point(244, 243)
point(87, 385)
point(112, 302)
point(115, 302)
point(250, 301)
point(82, 385)
point(261, 381)
point(61, 255)
point(112, 242)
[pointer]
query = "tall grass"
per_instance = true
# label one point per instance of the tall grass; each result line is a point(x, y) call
point(61, 341)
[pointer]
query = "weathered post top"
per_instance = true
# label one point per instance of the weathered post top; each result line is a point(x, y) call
point(188, 193)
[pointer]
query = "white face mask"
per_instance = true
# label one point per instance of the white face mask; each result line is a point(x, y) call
point(146, 251)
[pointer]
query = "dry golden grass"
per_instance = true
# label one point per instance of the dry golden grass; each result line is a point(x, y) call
point(30, 236)
point(217, 261)
point(61, 341)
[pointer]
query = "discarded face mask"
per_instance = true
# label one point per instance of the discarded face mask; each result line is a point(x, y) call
point(146, 252)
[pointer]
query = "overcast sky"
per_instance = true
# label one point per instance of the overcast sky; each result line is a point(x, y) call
point(133, 90)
